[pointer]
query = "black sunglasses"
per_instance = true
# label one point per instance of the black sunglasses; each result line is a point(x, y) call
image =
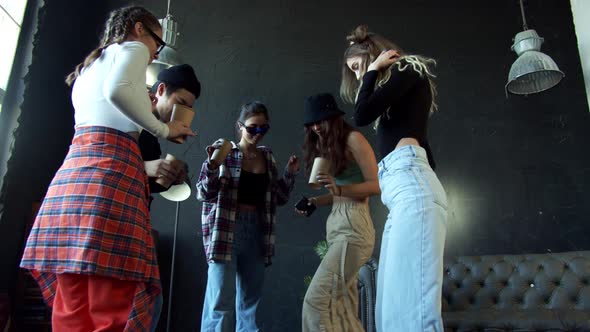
point(158, 40)
point(255, 130)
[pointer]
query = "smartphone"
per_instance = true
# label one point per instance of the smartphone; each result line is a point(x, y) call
point(303, 205)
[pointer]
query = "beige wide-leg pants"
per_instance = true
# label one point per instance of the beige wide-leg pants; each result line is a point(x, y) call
point(331, 301)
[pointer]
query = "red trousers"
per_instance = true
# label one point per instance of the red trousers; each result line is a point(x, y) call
point(85, 303)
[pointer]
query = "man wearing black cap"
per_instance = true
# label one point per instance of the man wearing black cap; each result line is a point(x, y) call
point(175, 85)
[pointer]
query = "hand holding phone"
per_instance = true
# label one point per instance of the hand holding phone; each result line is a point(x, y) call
point(305, 207)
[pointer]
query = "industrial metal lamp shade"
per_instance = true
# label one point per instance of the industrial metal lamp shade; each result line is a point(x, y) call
point(533, 71)
point(166, 59)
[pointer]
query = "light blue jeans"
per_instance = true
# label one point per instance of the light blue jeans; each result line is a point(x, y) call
point(234, 288)
point(410, 274)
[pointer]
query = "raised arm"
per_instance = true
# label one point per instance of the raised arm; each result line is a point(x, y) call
point(371, 102)
point(209, 183)
point(286, 183)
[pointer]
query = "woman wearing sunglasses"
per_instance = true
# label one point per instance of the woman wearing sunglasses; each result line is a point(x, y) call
point(91, 249)
point(331, 301)
point(239, 198)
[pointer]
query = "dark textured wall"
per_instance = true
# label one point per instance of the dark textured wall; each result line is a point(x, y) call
point(45, 117)
point(515, 169)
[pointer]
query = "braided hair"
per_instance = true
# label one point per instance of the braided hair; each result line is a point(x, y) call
point(117, 29)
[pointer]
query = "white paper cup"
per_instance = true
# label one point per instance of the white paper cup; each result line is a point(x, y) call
point(218, 156)
point(320, 165)
point(183, 114)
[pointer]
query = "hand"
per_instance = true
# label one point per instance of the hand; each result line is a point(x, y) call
point(384, 60)
point(293, 164)
point(161, 168)
point(182, 168)
point(179, 129)
point(301, 212)
point(328, 182)
point(215, 145)
point(311, 201)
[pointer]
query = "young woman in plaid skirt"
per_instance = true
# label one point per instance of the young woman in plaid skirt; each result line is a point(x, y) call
point(91, 249)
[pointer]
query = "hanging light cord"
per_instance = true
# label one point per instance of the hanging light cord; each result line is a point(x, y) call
point(168, 10)
point(524, 26)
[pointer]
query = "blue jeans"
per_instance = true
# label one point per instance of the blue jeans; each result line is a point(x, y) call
point(234, 288)
point(410, 274)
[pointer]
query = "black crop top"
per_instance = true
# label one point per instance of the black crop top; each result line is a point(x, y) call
point(408, 98)
point(252, 188)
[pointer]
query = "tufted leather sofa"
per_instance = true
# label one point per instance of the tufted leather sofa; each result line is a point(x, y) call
point(537, 292)
point(520, 293)
point(367, 286)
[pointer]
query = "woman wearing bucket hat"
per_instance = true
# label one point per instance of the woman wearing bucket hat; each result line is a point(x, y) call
point(397, 93)
point(331, 301)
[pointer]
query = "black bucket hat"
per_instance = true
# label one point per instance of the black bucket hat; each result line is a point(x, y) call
point(320, 107)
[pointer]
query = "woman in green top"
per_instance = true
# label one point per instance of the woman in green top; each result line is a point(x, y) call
point(331, 301)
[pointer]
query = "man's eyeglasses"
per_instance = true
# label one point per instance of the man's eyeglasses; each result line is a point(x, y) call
point(255, 130)
point(157, 38)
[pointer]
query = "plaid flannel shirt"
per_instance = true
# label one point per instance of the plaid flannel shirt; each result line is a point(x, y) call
point(218, 190)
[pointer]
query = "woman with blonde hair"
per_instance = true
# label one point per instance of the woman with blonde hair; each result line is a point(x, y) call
point(395, 91)
point(91, 249)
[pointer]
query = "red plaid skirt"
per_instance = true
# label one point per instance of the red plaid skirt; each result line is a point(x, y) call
point(95, 220)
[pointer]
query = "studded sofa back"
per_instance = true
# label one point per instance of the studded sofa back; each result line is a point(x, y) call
point(535, 292)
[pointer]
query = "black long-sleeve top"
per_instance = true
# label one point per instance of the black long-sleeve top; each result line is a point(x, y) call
point(403, 103)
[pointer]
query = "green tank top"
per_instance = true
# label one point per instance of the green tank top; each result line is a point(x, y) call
point(350, 175)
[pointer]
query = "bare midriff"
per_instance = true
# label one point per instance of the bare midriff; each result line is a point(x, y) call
point(407, 141)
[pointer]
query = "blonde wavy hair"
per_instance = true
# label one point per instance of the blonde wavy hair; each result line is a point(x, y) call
point(368, 46)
